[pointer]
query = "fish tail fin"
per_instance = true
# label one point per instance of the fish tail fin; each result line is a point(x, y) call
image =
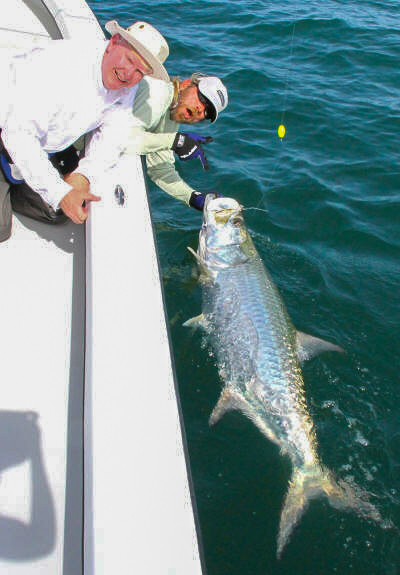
point(313, 481)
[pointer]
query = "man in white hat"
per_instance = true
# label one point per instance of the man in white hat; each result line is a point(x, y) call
point(53, 95)
point(158, 110)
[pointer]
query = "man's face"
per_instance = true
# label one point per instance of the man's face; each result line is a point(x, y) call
point(122, 66)
point(189, 109)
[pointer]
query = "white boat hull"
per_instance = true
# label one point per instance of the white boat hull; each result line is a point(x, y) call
point(137, 500)
point(109, 493)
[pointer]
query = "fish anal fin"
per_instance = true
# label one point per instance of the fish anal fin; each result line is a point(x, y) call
point(308, 346)
point(228, 401)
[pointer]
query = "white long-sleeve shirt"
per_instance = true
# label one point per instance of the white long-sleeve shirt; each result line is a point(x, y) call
point(50, 97)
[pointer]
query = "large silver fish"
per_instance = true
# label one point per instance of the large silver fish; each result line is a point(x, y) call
point(258, 353)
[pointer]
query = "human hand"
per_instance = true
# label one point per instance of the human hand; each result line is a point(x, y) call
point(77, 181)
point(188, 146)
point(197, 199)
point(75, 204)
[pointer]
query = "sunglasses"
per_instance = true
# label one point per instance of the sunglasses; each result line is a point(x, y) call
point(205, 103)
point(195, 79)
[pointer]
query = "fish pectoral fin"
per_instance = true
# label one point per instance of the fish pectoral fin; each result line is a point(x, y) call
point(228, 401)
point(196, 255)
point(308, 346)
point(205, 275)
point(198, 321)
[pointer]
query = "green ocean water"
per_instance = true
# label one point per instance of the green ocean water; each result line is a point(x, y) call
point(329, 233)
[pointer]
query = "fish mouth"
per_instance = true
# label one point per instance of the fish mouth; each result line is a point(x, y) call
point(223, 228)
point(220, 210)
point(214, 204)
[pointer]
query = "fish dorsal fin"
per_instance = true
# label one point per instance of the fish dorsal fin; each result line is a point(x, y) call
point(197, 321)
point(308, 346)
point(228, 401)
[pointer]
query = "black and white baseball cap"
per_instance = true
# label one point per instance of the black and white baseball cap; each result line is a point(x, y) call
point(214, 91)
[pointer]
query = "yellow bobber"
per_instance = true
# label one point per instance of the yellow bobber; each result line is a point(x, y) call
point(281, 131)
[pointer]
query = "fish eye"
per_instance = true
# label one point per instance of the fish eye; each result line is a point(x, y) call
point(237, 221)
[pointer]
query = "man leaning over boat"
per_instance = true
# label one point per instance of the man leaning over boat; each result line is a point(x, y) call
point(53, 95)
point(158, 110)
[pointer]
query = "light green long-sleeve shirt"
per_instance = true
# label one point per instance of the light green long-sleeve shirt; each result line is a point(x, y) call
point(153, 133)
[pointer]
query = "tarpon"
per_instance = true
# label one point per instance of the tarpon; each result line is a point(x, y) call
point(258, 355)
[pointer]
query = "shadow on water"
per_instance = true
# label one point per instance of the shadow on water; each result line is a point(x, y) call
point(71, 239)
point(20, 442)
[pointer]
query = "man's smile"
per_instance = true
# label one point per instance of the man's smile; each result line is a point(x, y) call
point(119, 78)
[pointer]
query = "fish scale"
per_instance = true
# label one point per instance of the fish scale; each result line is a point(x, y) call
point(275, 363)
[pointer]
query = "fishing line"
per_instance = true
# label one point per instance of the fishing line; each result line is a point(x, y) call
point(256, 208)
point(289, 70)
point(281, 127)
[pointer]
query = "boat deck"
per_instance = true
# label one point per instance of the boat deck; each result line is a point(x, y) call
point(94, 474)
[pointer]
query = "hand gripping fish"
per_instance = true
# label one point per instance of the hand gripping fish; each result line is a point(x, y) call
point(258, 354)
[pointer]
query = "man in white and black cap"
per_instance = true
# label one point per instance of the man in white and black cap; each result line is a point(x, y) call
point(158, 110)
point(50, 97)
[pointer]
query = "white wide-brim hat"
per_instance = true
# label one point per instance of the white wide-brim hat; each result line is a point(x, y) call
point(148, 41)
